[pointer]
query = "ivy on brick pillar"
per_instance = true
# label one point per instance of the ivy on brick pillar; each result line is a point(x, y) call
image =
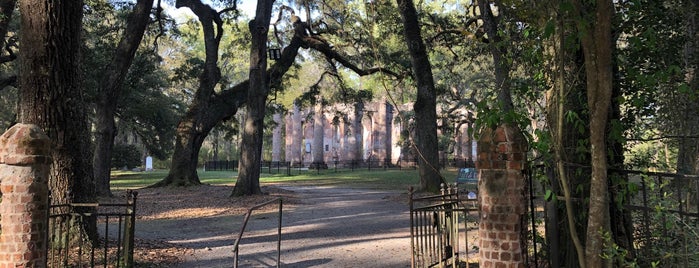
point(24, 171)
point(501, 194)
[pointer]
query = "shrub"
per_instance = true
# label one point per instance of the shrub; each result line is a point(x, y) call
point(126, 155)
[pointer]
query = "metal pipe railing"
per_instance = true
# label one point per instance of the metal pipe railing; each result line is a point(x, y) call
point(245, 223)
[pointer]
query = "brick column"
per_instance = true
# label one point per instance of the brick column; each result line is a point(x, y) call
point(501, 158)
point(24, 171)
point(277, 138)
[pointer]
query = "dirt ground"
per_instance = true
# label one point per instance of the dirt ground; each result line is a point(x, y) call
point(322, 227)
point(179, 206)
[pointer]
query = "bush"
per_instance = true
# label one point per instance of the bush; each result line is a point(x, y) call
point(126, 155)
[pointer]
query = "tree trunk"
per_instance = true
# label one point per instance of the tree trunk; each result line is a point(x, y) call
point(566, 96)
point(193, 128)
point(499, 52)
point(688, 148)
point(51, 95)
point(189, 141)
point(109, 91)
point(248, 182)
point(425, 105)
point(597, 47)
point(620, 218)
point(199, 118)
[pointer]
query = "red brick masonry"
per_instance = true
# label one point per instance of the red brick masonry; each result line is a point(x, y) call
point(24, 170)
point(501, 158)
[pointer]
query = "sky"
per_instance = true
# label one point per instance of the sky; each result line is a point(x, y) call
point(247, 7)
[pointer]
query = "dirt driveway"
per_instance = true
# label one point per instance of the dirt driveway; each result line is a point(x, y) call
point(322, 227)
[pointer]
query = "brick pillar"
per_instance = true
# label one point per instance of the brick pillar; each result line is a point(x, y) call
point(277, 139)
point(501, 158)
point(294, 137)
point(24, 171)
point(317, 148)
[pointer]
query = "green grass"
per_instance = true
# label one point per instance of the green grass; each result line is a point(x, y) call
point(359, 178)
point(134, 180)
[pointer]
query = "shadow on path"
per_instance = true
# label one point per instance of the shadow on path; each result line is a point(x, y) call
point(331, 227)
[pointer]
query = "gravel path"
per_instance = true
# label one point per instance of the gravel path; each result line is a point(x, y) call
point(328, 227)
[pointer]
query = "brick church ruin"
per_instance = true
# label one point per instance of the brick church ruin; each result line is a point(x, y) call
point(359, 133)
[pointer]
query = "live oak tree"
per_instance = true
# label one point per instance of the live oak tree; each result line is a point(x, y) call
point(109, 89)
point(302, 38)
point(199, 119)
point(51, 94)
point(425, 104)
point(210, 107)
point(251, 144)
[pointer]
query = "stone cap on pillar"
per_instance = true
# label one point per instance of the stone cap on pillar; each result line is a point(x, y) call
point(25, 144)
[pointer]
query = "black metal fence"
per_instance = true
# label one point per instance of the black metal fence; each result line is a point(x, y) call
point(277, 167)
point(221, 165)
point(112, 245)
point(290, 168)
point(663, 209)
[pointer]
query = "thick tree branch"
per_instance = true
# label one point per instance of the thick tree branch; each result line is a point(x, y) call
point(322, 78)
point(8, 81)
point(231, 99)
point(207, 17)
point(234, 8)
point(7, 58)
point(323, 47)
point(6, 9)
point(667, 137)
point(159, 19)
point(280, 15)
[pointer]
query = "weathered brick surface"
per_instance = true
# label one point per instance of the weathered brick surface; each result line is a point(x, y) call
point(501, 158)
point(24, 170)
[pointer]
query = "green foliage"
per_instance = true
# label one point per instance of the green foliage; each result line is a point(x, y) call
point(618, 255)
point(8, 103)
point(126, 155)
point(491, 118)
point(650, 156)
point(144, 108)
point(673, 241)
point(656, 99)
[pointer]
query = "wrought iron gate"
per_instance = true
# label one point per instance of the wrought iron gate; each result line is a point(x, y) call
point(434, 228)
point(114, 223)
